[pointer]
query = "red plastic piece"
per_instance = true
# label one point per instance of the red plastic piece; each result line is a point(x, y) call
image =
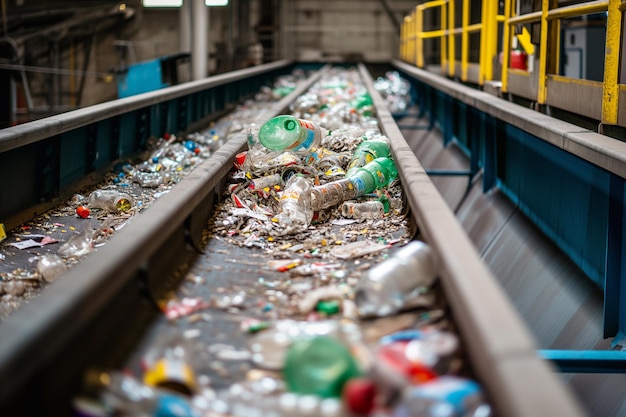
point(82, 211)
point(359, 395)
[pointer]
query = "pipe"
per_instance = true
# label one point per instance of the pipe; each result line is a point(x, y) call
point(200, 27)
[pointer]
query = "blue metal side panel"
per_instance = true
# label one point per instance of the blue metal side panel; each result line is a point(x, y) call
point(17, 194)
point(172, 116)
point(461, 126)
point(103, 144)
point(127, 134)
point(155, 121)
point(614, 289)
point(564, 195)
point(73, 157)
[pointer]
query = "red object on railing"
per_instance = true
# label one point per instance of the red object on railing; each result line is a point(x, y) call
point(519, 60)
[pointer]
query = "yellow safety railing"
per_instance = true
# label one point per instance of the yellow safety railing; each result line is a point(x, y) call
point(548, 51)
point(413, 36)
point(549, 18)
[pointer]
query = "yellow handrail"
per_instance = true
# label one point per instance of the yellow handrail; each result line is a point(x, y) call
point(465, 19)
point(610, 91)
point(525, 18)
point(597, 6)
point(451, 39)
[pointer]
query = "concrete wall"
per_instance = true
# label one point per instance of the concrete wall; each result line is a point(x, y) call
point(342, 28)
point(299, 29)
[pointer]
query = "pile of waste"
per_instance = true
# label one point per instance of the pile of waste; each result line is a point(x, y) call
point(315, 299)
point(43, 249)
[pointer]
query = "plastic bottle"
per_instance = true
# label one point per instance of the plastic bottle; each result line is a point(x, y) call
point(295, 204)
point(367, 151)
point(332, 194)
point(78, 245)
point(110, 200)
point(366, 210)
point(288, 133)
point(390, 285)
point(362, 103)
point(148, 179)
point(264, 182)
point(375, 175)
point(319, 365)
point(252, 135)
point(50, 267)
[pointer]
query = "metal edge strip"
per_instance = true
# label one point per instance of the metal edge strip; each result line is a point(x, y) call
point(496, 338)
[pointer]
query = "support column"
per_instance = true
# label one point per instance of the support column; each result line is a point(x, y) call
point(184, 24)
point(200, 30)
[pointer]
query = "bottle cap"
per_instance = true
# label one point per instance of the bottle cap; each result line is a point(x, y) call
point(359, 395)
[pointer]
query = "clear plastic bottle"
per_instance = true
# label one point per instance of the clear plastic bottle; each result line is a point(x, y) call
point(252, 135)
point(266, 181)
point(366, 210)
point(148, 179)
point(50, 267)
point(367, 151)
point(394, 283)
point(295, 204)
point(110, 200)
point(332, 194)
point(375, 175)
point(288, 133)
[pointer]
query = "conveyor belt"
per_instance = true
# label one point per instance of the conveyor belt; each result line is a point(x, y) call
point(83, 320)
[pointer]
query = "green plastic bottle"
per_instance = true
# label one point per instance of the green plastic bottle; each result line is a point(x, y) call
point(288, 133)
point(366, 152)
point(377, 174)
point(363, 104)
point(320, 366)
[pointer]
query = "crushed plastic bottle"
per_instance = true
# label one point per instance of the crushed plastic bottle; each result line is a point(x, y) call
point(78, 245)
point(295, 205)
point(375, 175)
point(50, 267)
point(148, 179)
point(332, 194)
point(288, 133)
point(367, 151)
point(391, 285)
point(110, 200)
point(362, 211)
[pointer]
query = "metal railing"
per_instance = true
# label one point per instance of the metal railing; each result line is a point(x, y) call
point(414, 33)
point(541, 82)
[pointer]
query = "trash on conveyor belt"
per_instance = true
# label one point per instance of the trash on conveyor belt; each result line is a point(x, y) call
point(41, 250)
point(312, 297)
